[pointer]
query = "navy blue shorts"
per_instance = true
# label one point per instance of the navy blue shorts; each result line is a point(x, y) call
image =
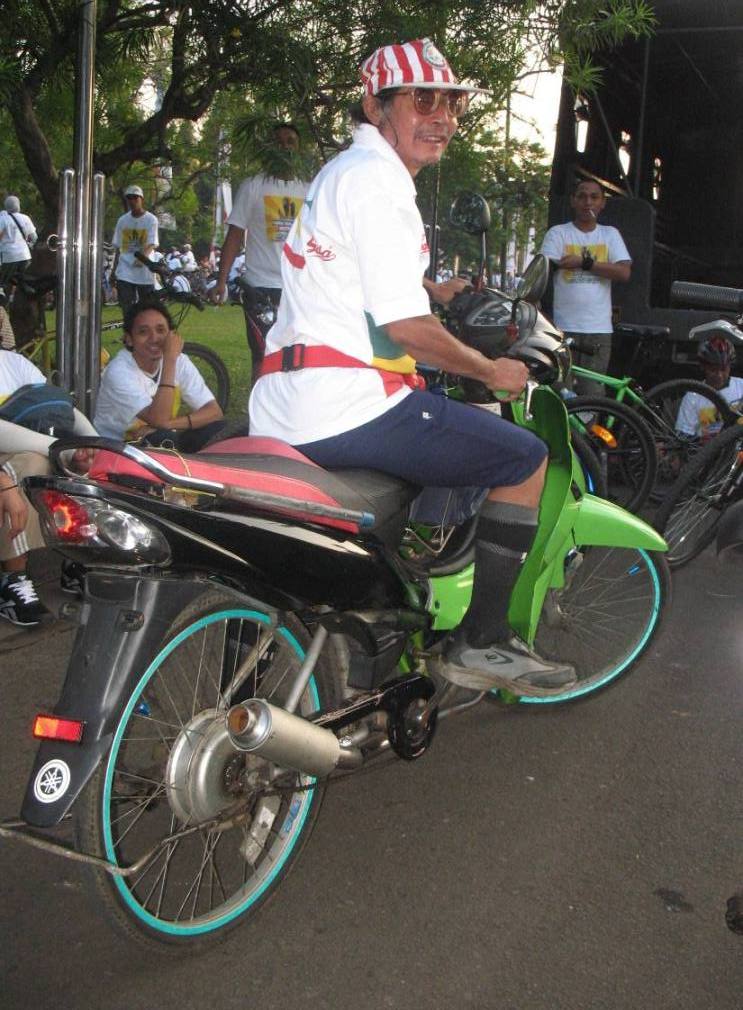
point(430, 440)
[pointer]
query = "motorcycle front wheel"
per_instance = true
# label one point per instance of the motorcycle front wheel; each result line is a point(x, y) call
point(215, 830)
point(605, 616)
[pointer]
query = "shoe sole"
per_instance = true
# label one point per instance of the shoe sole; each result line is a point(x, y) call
point(20, 624)
point(476, 680)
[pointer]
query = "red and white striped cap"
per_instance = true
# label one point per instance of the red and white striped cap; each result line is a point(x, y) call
point(417, 64)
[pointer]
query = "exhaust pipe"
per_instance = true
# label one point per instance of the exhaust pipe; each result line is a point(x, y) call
point(288, 740)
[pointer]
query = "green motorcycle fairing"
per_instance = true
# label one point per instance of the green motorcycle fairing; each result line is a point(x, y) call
point(568, 518)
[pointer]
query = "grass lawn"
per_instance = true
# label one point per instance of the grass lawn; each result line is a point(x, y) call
point(220, 327)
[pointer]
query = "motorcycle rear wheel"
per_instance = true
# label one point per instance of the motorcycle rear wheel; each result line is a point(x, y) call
point(155, 782)
point(605, 617)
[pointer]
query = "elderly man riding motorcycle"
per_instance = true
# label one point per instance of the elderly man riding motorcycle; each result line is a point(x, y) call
point(355, 315)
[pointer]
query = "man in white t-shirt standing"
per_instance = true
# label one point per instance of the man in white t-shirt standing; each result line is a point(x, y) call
point(263, 212)
point(136, 231)
point(338, 377)
point(17, 235)
point(588, 256)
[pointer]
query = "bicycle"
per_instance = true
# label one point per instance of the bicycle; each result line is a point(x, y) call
point(658, 410)
point(691, 512)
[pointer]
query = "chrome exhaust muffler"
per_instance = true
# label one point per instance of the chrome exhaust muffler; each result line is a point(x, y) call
point(288, 740)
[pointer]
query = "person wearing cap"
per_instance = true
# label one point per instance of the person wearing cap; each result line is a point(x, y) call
point(263, 212)
point(135, 231)
point(188, 260)
point(17, 236)
point(337, 377)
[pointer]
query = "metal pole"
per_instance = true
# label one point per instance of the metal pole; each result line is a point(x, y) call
point(96, 292)
point(639, 147)
point(434, 236)
point(63, 246)
point(83, 157)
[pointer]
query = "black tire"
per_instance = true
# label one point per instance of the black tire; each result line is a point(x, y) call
point(605, 616)
point(213, 370)
point(623, 443)
point(590, 464)
point(692, 509)
point(673, 449)
point(155, 781)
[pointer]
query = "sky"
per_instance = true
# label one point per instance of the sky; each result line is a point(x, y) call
point(534, 110)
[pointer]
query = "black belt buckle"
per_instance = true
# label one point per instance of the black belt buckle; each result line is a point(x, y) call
point(292, 357)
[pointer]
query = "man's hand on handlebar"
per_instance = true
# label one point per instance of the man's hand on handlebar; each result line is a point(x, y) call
point(507, 376)
point(442, 292)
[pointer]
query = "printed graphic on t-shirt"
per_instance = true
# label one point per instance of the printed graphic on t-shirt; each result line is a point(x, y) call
point(133, 239)
point(279, 213)
point(600, 253)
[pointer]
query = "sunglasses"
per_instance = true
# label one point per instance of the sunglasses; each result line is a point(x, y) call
point(427, 100)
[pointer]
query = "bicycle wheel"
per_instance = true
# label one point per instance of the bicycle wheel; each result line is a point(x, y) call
point(228, 825)
point(673, 448)
point(213, 370)
point(593, 474)
point(604, 617)
point(623, 443)
point(693, 507)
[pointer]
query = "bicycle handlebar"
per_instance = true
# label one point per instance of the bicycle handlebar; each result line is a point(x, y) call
point(156, 268)
point(185, 297)
point(708, 296)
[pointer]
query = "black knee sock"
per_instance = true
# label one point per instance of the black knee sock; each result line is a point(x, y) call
point(505, 532)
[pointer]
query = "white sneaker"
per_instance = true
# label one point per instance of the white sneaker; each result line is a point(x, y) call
point(510, 664)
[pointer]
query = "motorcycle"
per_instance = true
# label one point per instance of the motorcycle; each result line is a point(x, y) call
point(254, 627)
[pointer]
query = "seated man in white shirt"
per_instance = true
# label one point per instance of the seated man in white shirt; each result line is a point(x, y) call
point(145, 385)
point(697, 417)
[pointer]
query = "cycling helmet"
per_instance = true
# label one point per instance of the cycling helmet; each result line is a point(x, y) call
point(717, 351)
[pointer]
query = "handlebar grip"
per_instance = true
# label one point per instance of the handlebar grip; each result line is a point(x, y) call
point(708, 296)
point(155, 268)
point(587, 349)
point(186, 297)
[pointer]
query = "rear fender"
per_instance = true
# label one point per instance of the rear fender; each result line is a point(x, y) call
point(123, 620)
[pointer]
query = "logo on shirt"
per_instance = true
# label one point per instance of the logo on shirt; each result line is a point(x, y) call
point(279, 213)
point(315, 249)
point(599, 251)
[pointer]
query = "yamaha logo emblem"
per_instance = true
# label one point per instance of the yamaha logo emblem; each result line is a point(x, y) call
point(52, 781)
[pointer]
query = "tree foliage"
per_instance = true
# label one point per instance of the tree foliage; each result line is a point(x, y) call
point(232, 65)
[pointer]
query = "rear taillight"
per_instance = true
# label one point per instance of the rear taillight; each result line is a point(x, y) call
point(68, 517)
point(74, 521)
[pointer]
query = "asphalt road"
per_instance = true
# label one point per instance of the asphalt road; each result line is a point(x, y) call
point(537, 858)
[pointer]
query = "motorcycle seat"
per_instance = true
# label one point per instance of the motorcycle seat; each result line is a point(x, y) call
point(270, 466)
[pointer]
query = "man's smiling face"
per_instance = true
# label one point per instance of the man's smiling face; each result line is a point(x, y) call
point(418, 140)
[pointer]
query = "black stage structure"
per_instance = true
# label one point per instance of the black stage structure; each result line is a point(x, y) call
point(664, 136)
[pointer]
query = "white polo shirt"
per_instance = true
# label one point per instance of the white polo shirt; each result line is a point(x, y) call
point(354, 261)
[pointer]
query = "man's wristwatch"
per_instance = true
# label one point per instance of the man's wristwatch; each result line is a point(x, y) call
point(587, 260)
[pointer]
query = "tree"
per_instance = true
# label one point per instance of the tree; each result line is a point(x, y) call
point(296, 58)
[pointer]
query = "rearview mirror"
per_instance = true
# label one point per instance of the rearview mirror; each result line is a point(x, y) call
point(471, 213)
point(534, 282)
